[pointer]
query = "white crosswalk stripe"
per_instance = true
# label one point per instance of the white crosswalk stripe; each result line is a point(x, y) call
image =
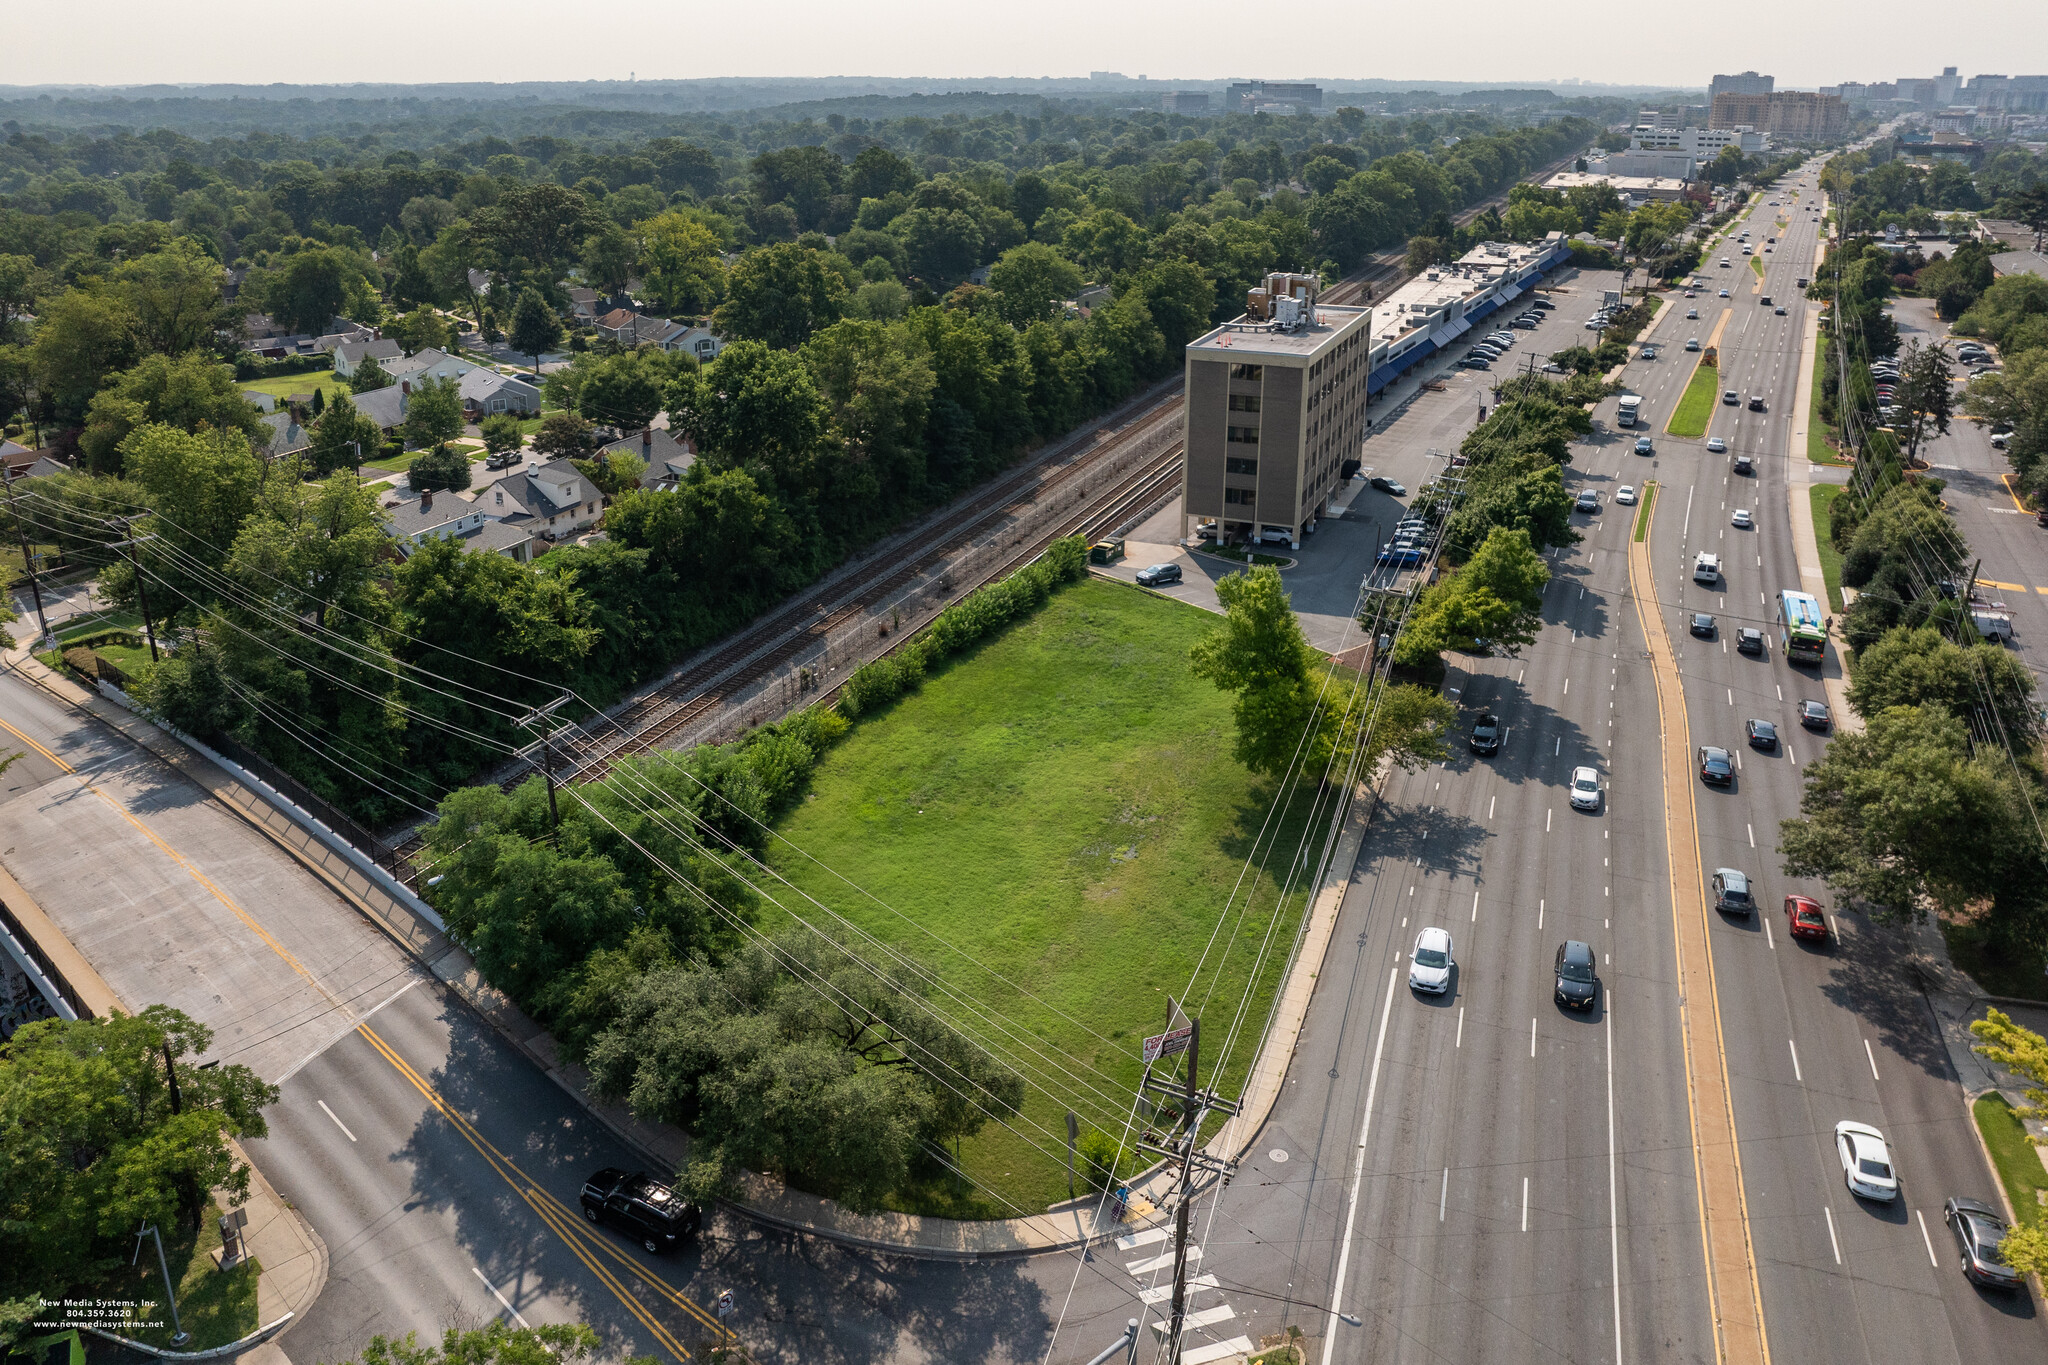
point(1202, 1323)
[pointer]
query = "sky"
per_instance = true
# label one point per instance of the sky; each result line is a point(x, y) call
point(1803, 43)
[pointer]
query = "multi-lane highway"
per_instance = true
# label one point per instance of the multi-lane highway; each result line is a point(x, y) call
point(1484, 1176)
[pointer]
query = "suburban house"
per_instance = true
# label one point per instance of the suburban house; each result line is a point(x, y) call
point(584, 303)
point(385, 406)
point(413, 524)
point(267, 402)
point(286, 436)
point(428, 364)
point(485, 392)
point(700, 342)
point(553, 500)
point(629, 328)
point(20, 462)
point(350, 354)
point(666, 457)
point(624, 326)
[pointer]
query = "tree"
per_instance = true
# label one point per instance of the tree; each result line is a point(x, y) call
point(608, 257)
point(680, 263)
point(613, 472)
point(1260, 654)
point(2020, 1051)
point(626, 389)
point(536, 227)
point(535, 327)
point(1903, 818)
point(93, 1143)
point(1496, 596)
point(175, 295)
point(310, 289)
point(1926, 395)
point(437, 468)
point(2017, 400)
point(83, 336)
point(877, 171)
point(562, 435)
point(1922, 667)
point(754, 405)
point(369, 376)
point(940, 245)
point(501, 433)
point(17, 290)
point(779, 295)
point(343, 438)
point(419, 330)
point(186, 391)
point(1031, 279)
point(433, 415)
point(496, 1343)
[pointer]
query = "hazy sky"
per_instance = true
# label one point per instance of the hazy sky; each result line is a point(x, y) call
point(1802, 42)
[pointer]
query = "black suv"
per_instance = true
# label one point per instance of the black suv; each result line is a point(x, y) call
point(1485, 734)
point(644, 1209)
point(1577, 985)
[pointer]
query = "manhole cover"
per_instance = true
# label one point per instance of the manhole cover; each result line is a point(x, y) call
point(1278, 1154)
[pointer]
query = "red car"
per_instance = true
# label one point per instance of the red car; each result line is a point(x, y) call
point(1805, 918)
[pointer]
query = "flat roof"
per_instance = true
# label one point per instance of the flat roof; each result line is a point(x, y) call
point(1242, 336)
point(1565, 180)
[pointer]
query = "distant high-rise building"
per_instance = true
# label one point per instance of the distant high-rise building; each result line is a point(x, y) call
point(1248, 95)
point(1185, 102)
point(1747, 83)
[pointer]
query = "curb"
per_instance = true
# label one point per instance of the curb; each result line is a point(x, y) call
point(212, 1353)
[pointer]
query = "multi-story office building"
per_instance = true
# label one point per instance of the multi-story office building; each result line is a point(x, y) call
point(1195, 102)
point(1748, 83)
point(1799, 115)
point(1702, 144)
point(1249, 95)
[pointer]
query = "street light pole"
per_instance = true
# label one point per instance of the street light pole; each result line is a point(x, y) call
point(179, 1336)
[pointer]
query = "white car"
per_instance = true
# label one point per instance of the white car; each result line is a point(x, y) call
point(1724, 293)
point(1741, 519)
point(1430, 968)
point(1717, 446)
point(1585, 789)
point(1866, 1161)
point(1626, 495)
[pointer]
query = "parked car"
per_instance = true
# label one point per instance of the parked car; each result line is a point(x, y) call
point(1715, 765)
point(1762, 734)
point(1866, 1162)
point(1430, 967)
point(1474, 362)
point(1400, 556)
point(1978, 1231)
point(1387, 485)
point(1804, 919)
point(1524, 324)
point(1731, 892)
point(1625, 495)
point(1749, 640)
point(1578, 986)
point(643, 1208)
point(1159, 575)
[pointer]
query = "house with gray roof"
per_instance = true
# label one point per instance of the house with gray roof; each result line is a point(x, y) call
point(431, 363)
point(485, 392)
point(413, 523)
point(385, 406)
point(286, 436)
point(666, 456)
point(553, 500)
point(350, 354)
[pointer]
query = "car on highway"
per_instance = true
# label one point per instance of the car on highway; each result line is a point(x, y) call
point(1485, 736)
point(643, 1208)
point(1815, 715)
point(1724, 293)
point(1387, 485)
point(1978, 1231)
point(1692, 343)
point(1587, 501)
point(1749, 640)
point(1804, 918)
point(1429, 969)
point(1648, 353)
point(1692, 314)
point(1779, 310)
point(1578, 986)
point(1158, 575)
point(1762, 734)
point(1866, 1162)
point(1715, 765)
point(1716, 446)
point(1724, 262)
point(1756, 402)
point(1702, 625)
point(1731, 892)
point(1585, 789)
point(1626, 495)
point(1644, 446)
point(1730, 397)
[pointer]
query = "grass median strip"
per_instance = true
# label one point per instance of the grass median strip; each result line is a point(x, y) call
point(1824, 495)
point(1818, 451)
point(1696, 408)
point(1643, 512)
point(2012, 1152)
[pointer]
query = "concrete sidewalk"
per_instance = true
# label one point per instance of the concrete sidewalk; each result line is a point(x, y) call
point(1805, 536)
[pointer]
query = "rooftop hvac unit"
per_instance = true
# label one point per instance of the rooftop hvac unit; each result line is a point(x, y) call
point(1287, 312)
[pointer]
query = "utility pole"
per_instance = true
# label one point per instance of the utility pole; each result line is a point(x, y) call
point(179, 1336)
point(1183, 1144)
point(28, 559)
point(543, 716)
point(141, 589)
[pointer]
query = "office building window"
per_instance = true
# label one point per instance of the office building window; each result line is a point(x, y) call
point(1238, 466)
point(1253, 372)
point(1244, 402)
point(1240, 497)
point(1244, 436)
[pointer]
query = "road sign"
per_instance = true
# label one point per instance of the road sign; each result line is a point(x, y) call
point(1167, 1044)
point(725, 1304)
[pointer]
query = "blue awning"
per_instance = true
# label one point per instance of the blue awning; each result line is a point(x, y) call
point(1442, 336)
point(1474, 314)
point(1380, 378)
point(1461, 326)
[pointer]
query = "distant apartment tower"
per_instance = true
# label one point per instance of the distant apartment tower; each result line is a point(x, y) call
point(1274, 405)
point(1243, 96)
point(1194, 102)
point(1798, 115)
point(1747, 83)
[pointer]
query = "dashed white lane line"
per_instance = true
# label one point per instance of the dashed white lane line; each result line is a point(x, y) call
point(1832, 1240)
point(337, 1121)
point(1873, 1059)
point(1793, 1043)
point(1917, 1213)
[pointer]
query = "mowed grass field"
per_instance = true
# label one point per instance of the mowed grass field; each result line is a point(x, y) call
point(1061, 806)
point(1696, 405)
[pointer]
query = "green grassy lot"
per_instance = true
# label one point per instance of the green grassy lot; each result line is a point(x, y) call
point(284, 386)
point(2019, 1169)
point(215, 1308)
point(1060, 804)
point(1824, 495)
point(1696, 406)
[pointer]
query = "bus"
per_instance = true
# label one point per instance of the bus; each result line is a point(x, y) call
point(1802, 632)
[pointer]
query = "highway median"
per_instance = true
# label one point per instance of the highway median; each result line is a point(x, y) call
point(1696, 406)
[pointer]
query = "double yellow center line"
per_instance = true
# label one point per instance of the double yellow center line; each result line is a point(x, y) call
point(563, 1221)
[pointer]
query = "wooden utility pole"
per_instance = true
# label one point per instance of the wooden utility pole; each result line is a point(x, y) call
point(141, 589)
point(28, 558)
point(543, 717)
point(1183, 1145)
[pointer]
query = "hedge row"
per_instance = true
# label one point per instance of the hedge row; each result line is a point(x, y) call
point(974, 617)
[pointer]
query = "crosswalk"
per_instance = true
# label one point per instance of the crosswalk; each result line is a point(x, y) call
point(1203, 1339)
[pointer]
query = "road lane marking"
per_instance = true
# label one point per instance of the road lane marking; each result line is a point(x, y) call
point(1752, 834)
point(1475, 907)
point(1546, 819)
point(1461, 1028)
point(337, 1120)
point(296, 1067)
point(1921, 1214)
point(1873, 1058)
point(1489, 806)
point(1769, 937)
point(1793, 1043)
point(1831, 1233)
point(1372, 1087)
point(1532, 1037)
point(1443, 1198)
point(1539, 914)
point(501, 1298)
point(1613, 1185)
point(1525, 1203)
